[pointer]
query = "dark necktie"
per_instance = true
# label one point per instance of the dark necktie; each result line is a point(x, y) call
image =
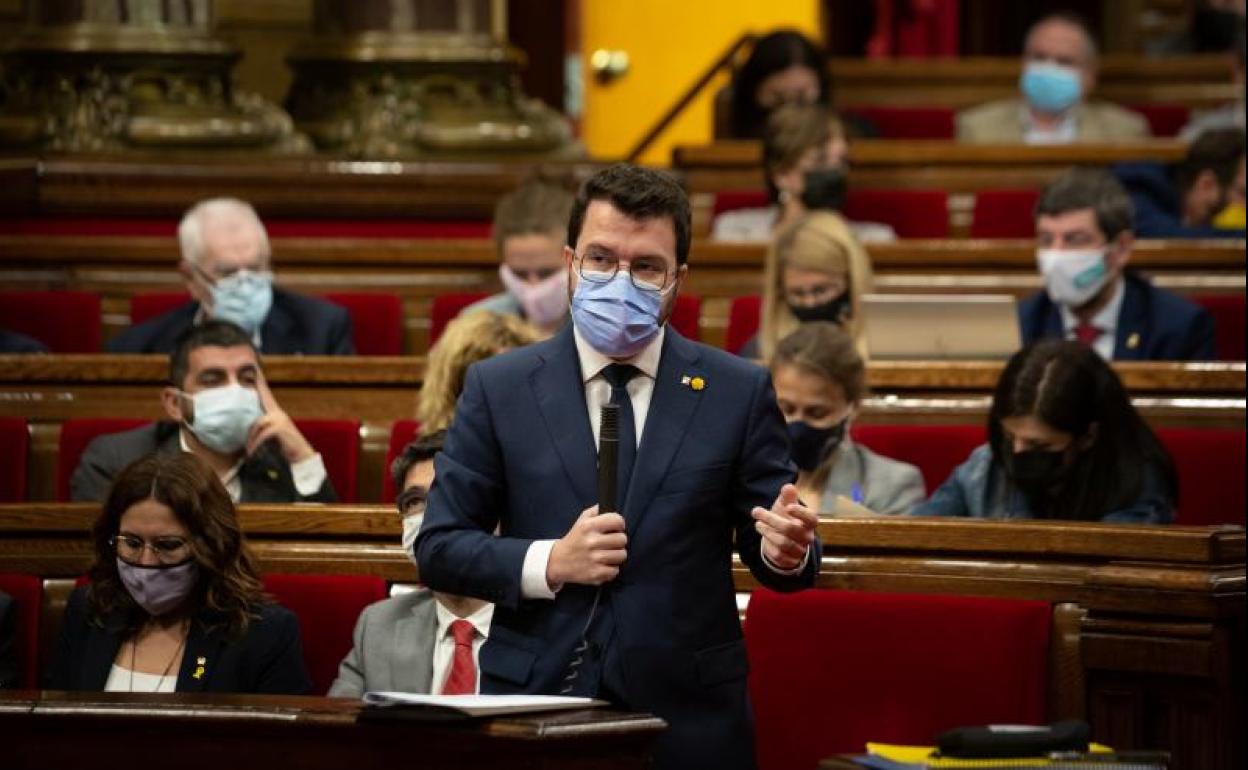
point(618, 376)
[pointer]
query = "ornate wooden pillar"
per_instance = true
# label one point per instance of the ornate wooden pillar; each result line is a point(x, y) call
point(403, 78)
point(127, 75)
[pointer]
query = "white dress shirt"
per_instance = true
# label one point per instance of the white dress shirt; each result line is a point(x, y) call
point(1106, 320)
point(444, 643)
point(1066, 131)
point(308, 474)
point(640, 388)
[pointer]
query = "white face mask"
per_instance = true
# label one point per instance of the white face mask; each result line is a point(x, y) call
point(411, 528)
point(224, 416)
point(1073, 277)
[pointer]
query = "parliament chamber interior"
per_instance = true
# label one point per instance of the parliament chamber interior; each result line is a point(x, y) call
point(963, 280)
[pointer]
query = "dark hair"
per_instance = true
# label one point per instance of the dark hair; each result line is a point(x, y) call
point(229, 585)
point(1218, 150)
point(824, 349)
point(1086, 188)
point(1069, 387)
point(639, 193)
point(211, 333)
point(791, 130)
point(418, 450)
point(772, 53)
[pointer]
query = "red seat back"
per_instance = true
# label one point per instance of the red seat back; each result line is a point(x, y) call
point(685, 316)
point(906, 666)
point(338, 441)
point(912, 213)
point(1210, 465)
point(444, 309)
point(14, 449)
point(376, 322)
point(75, 435)
point(27, 594)
point(150, 304)
point(908, 122)
point(1004, 214)
point(743, 320)
point(1229, 317)
point(327, 607)
point(731, 200)
point(1164, 119)
point(65, 321)
point(401, 434)
point(935, 449)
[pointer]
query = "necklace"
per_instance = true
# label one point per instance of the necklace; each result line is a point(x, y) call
point(134, 648)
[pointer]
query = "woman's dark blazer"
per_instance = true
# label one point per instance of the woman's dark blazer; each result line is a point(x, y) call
point(268, 658)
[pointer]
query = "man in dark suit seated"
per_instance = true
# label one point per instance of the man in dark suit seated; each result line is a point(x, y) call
point(225, 263)
point(420, 641)
point(1084, 226)
point(221, 410)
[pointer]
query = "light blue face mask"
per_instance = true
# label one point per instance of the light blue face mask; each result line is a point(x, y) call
point(616, 318)
point(243, 299)
point(1050, 88)
point(223, 416)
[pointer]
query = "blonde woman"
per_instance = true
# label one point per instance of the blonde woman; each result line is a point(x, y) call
point(816, 270)
point(470, 338)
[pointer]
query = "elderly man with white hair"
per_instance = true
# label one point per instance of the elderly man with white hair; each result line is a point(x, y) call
point(1059, 73)
point(225, 264)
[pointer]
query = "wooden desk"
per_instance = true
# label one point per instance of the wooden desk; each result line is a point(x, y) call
point(115, 730)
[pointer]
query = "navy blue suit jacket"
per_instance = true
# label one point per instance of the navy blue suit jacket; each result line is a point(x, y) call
point(296, 324)
point(665, 637)
point(268, 658)
point(1153, 324)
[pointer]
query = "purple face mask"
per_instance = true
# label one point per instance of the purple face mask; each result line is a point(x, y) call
point(159, 589)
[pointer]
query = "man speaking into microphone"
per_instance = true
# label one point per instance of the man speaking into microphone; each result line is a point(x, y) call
point(635, 606)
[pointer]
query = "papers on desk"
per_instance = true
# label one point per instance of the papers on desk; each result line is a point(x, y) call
point(417, 706)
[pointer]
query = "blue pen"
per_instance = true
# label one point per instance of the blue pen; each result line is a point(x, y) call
point(855, 493)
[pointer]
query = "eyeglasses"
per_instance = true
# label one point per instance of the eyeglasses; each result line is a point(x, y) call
point(646, 273)
point(412, 501)
point(167, 550)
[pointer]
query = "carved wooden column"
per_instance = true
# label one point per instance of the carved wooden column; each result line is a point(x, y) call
point(404, 78)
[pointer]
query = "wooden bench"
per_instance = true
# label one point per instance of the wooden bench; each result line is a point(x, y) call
point(1148, 621)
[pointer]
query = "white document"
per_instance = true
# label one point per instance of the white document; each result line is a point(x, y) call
point(479, 705)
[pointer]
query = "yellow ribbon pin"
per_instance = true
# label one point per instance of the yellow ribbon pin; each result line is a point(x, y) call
point(697, 383)
point(1133, 341)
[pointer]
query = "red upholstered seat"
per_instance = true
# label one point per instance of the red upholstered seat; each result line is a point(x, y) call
point(908, 122)
point(912, 213)
point(14, 449)
point(150, 304)
point(65, 321)
point(338, 441)
point(1164, 119)
point(1210, 464)
point(27, 593)
point(401, 434)
point(731, 200)
point(75, 435)
point(743, 320)
point(1228, 315)
point(935, 449)
point(444, 309)
point(1004, 214)
point(685, 316)
point(830, 670)
point(327, 607)
point(376, 322)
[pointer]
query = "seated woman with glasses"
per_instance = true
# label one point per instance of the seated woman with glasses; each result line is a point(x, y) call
point(1064, 442)
point(815, 271)
point(175, 603)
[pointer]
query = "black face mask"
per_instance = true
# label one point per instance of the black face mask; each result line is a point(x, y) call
point(823, 189)
point(1037, 471)
point(811, 446)
point(835, 310)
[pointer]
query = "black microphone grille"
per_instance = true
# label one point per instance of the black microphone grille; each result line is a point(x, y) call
point(610, 428)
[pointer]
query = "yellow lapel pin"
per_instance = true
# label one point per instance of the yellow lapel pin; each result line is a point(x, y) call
point(696, 383)
point(1133, 341)
point(200, 667)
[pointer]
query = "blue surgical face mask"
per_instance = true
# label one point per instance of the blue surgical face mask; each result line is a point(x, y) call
point(223, 416)
point(1050, 88)
point(616, 318)
point(243, 299)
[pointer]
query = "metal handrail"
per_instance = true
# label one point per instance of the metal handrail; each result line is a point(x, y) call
point(690, 94)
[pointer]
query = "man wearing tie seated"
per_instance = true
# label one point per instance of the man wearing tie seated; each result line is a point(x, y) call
point(1059, 72)
point(226, 268)
point(1064, 442)
point(221, 410)
point(421, 641)
point(1083, 245)
point(634, 605)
